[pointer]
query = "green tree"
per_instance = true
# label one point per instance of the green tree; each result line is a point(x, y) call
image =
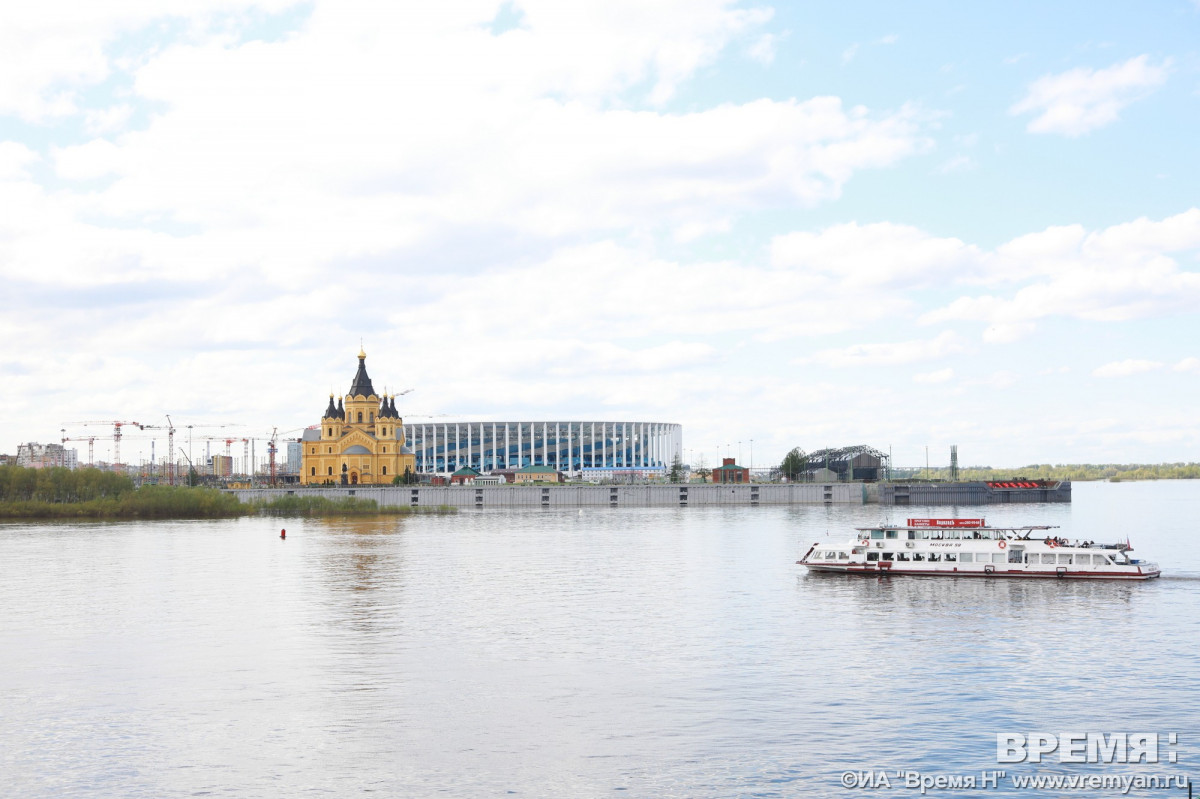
point(676, 473)
point(793, 463)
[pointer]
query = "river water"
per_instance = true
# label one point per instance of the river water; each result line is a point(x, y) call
point(633, 652)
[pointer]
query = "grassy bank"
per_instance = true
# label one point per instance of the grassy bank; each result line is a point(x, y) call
point(93, 494)
point(148, 502)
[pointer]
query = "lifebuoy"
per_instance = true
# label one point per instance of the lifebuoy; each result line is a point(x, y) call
point(1003, 544)
point(1052, 543)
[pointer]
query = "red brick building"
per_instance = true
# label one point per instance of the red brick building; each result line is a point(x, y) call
point(730, 472)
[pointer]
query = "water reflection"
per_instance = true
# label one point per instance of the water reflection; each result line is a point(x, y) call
point(662, 651)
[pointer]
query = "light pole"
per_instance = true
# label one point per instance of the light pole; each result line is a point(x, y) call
point(752, 456)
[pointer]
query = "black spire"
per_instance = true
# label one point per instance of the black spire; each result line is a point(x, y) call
point(362, 384)
point(330, 412)
point(341, 412)
point(395, 413)
point(383, 409)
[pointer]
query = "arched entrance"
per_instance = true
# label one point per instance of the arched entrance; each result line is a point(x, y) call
point(353, 478)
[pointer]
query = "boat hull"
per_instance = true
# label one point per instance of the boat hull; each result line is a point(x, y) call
point(873, 571)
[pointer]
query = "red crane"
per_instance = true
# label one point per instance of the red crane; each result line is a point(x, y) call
point(117, 465)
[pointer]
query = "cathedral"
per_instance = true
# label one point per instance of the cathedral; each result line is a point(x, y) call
point(360, 442)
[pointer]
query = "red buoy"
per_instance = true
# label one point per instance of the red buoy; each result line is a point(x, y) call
point(283, 533)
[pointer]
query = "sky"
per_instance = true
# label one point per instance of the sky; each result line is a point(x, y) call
point(799, 224)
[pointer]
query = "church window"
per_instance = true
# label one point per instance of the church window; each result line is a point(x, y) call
point(331, 431)
point(372, 419)
point(330, 470)
point(313, 473)
point(385, 470)
point(330, 450)
point(360, 417)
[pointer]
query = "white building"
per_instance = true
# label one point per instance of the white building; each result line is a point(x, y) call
point(581, 448)
point(43, 456)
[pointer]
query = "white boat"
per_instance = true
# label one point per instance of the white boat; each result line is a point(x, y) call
point(969, 548)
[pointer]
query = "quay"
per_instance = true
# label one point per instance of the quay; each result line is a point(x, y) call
point(682, 495)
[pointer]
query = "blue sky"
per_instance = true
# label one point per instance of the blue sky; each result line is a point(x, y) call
point(805, 224)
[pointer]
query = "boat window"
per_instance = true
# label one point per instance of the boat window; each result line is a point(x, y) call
point(1016, 556)
point(1064, 559)
point(912, 535)
point(950, 557)
point(901, 556)
point(1100, 560)
point(954, 534)
point(1083, 560)
point(843, 556)
point(999, 557)
point(1120, 557)
point(877, 534)
point(872, 556)
point(934, 557)
point(923, 534)
point(887, 556)
point(1047, 558)
point(891, 533)
point(918, 556)
point(964, 557)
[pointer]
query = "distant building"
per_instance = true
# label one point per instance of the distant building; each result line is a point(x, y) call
point(8, 460)
point(295, 450)
point(572, 447)
point(730, 472)
point(464, 476)
point(823, 475)
point(44, 456)
point(538, 474)
point(359, 442)
point(849, 463)
point(222, 465)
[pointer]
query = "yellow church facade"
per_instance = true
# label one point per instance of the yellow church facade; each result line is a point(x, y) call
point(360, 440)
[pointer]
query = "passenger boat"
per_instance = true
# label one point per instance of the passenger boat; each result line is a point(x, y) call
point(969, 548)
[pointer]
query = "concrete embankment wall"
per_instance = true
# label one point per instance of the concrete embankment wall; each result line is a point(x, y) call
point(973, 493)
point(630, 496)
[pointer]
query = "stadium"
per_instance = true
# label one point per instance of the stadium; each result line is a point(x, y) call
point(592, 450)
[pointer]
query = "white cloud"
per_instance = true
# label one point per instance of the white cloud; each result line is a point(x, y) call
point(1121, 273)
point(1126, 368)
point(50, 51)
point(763, 49)
point(958, 163)
point(15, 159)
point(1080, 100)
point(892, 352)
point(849, 53)
point(1190, 364)
point(939, 376)
point(877, 255)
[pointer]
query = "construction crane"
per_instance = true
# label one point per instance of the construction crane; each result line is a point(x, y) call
point(116, 438)
point(91, 442)
point(272, 449)
point(170, 428)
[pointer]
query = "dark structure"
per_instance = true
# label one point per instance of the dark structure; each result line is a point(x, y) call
point(975, 493)
point(858, 462)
